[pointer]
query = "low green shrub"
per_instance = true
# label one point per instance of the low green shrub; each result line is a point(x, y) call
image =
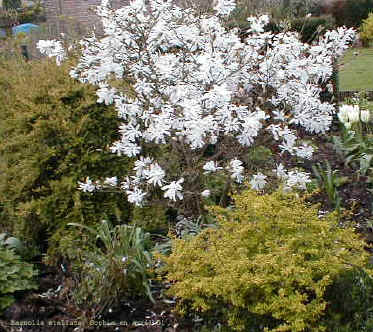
point(350, 300)
point(15, 275)
point(267, 266)
point(52, 134)
point(115, 266)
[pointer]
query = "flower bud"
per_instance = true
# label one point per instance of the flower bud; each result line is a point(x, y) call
point(365, 116)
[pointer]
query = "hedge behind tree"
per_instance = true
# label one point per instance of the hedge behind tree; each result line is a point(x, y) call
point(311, 27)
point(51, 135)
point(350, 13)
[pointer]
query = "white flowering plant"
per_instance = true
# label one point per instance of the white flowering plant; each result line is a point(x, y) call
point(188, 73)
point(355, 143)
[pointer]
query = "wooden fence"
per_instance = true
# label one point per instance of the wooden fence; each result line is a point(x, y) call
point(348, 94)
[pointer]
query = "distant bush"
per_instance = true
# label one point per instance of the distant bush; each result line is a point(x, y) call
point(268, 265)
point(311, 27)
point(51, 131)
point(366, 30)
point(350, 12)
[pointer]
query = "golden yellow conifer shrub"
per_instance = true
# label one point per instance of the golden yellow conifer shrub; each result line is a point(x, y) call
point(266, 267)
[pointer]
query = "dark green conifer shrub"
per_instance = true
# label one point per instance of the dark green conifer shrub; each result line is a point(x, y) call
point(52, 133)
point(350, 300)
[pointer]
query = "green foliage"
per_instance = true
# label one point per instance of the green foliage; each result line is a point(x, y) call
point(52, 132)
point(15, 275)
point(266, 267)
point(116, 265)
point(366, 30)
point(260, 157)
point(311, 27)
point(152, 219)
point(351, 302)
point(357, 151)
point(329, 181)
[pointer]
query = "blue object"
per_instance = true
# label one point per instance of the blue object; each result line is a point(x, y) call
point(2, 33)
point(26, 28)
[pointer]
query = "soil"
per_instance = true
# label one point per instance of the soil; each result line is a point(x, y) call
point(49, 309)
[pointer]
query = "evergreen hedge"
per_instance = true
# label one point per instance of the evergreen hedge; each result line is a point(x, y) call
point(51, 135)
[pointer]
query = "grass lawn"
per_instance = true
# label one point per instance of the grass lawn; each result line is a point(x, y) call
point(356, 71)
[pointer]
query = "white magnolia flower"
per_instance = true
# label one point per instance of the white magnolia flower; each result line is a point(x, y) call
point(280, 171)
point(155, 175)
point(87, 186)
point(206, 193)
point(111, 181)
point(225, 7)
point(211, 167)
point(258, 23)
point(258, 181)
point(173, 190)
point(236, 168)
point(185, 74)
point(297, 179)
point(106, 95)
point(129, 149)
point(135, 196)
point(304, 151)
point(141, 165)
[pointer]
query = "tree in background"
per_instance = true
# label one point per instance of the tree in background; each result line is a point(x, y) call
point(350, 12)
point(12, 4)
point(366, 30)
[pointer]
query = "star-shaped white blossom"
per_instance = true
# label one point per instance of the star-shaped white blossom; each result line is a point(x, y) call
point(206, 193)
point(87, 186)
point(211, 167)
point(113, 181)
point(136, 196)
point(258, 181)
point(236, 168)
point(155, 175)
point(173, 190)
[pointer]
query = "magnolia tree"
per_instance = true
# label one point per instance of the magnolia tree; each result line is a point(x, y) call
point(185, 117)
